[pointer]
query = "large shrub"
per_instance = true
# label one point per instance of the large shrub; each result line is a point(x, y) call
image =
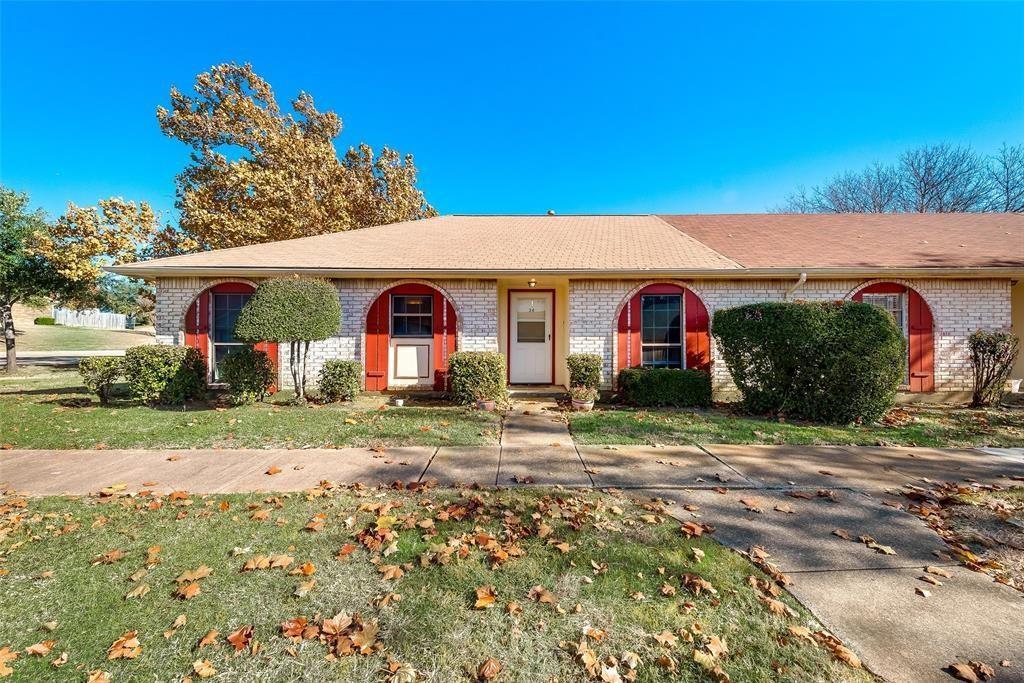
point(168, 375)
point(834, 362)
point(992, 355)
point(650, 387)
point(340, 380)
point(294, 311)
point(477, 375)
point(249, 374)
point(99, 374)
point(584, 370)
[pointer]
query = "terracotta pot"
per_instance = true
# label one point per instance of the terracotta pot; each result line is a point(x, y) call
point(485, 405)
point(582, 406)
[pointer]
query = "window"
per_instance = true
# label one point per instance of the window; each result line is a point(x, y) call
point(661, 331)
point(226, 308)
point(412, 315)
point(531, 321)
point(894, 304)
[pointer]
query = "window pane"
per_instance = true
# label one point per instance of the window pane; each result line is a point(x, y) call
point(412, 326)
point(413, 304)
point(219, 354)
point(661, 319)
point(662, 357)
point(226, 308)
point(531, 331)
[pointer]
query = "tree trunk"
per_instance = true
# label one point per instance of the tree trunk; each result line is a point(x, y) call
point(305, 354)
point(293, 365)
point(7, 312)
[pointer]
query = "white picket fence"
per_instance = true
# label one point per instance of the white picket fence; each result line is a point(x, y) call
point(90, 318)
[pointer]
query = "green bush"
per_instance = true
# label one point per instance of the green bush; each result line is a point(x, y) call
point(44, 320)
point(477, 375)
point(168, 375)
point(584, 369)
point(294, 311)
point(340, 380)
point(836, 362)
point(992, 355)
point(249, 375)
point(650, 387)
point(99, 373)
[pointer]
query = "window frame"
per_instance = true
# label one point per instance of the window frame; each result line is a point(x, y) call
point(903, 322)
point(214, 344)
point(680, 297)
point(394, 314)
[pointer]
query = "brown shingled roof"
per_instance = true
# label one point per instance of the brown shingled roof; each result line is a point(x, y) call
point(709, 244)
point(909, 240)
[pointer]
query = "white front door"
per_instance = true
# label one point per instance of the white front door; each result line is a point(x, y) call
point(530, 344)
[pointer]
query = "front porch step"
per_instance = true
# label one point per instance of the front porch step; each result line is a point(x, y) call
point(523, 391)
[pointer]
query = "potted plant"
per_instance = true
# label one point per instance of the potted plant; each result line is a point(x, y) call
point(583, 398)
point(484, 402)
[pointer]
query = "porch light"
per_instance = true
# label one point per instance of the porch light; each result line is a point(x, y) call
point(532, 283)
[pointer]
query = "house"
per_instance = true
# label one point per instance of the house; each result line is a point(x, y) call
point(635, 289)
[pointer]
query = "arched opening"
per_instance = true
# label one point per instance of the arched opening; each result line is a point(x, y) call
point(210, 325)
point(914, 317)
point(664, 325)
point(410, 333)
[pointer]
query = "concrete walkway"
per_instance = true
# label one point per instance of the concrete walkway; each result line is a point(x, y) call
point(787, 499)
point(59, 358)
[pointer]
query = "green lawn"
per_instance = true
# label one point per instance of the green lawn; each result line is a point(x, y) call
point(55, 411)
point(576, 579)
point(927, 426)
point(30, 337)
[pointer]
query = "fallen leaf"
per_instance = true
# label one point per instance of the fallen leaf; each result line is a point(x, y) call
point(485, 597)
point(41, 649)
point(273, 470)
point(488, 670)
point(209, 639)
point(241, 638)
point(203, 668)
point(125, 647)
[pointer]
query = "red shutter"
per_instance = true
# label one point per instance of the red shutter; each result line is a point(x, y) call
point(197, 324)
point(377, 344)
point(698, 336)
point(922, 344)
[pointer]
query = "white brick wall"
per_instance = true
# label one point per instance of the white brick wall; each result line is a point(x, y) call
point(475, 303)
point(958, 307)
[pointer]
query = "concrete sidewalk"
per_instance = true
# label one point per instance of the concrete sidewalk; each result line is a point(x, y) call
point(787, 499)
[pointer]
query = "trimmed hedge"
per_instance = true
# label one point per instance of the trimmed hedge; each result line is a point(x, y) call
point(99, 374)
point(44, 320)
point(659, 387)
point(476, 375)
point(837, 362)
point(249, 374)
point(289, 309)
point(340, 380)
point(167, 375)
point(584, 369)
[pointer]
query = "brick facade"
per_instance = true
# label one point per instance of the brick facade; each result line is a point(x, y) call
point(958, 306)
point(475, 303)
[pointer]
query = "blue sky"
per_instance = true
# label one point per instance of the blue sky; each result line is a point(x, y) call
point(522, 107)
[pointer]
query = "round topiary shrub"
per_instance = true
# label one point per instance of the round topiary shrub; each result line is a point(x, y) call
point(291, 310)
point(837, 362)
point(168, 375)
point(584, 369)
point(340, 380)
point(249, 374)
point(476, 376)
point(99, 374)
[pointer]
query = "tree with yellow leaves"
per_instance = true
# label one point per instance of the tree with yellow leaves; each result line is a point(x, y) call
point(258, 174)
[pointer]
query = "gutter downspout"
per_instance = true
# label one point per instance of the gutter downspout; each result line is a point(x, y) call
point(796, 285)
